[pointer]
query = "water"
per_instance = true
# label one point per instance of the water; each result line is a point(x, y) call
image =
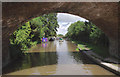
point(54, 58)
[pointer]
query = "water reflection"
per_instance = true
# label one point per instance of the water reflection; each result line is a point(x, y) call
point(44, 45)
point(30, 60)
point(64, 56)
point(54, 58)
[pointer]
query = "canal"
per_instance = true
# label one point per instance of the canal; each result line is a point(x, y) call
point(54, 58)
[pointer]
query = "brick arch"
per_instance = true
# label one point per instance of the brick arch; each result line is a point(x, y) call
point(104, 15)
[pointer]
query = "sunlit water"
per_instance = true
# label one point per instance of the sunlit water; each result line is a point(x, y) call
point(54, 58)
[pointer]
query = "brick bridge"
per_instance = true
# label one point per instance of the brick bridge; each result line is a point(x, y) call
point(104, 15)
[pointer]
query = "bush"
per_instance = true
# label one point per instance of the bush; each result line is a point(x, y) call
point(33, 31)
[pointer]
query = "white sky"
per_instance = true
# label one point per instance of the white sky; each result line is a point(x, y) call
point(65, 20)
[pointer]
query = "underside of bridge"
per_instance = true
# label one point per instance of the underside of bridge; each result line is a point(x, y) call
point(104, 15)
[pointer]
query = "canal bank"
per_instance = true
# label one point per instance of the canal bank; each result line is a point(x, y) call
point(105, 60)
point(112, 67)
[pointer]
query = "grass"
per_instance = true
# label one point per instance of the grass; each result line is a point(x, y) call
point(99, 50)
point(83, 47)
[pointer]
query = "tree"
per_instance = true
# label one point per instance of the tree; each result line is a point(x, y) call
point(32, 31)
point(86, 32)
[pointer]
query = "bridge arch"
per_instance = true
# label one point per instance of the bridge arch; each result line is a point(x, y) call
point(104, 15)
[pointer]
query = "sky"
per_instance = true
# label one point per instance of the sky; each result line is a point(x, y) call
point(65, 20)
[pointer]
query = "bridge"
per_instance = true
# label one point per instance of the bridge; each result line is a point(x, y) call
point(104, 15)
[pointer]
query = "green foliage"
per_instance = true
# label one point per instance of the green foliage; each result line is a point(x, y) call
point(78, 30)
point(99, 50)
point(60, 35)
point(87, 36)
point(20, 36)
point(86, 32)
point(32, 31)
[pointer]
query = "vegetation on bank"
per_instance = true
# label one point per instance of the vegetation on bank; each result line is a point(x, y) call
point(32, 32)
point(88, 36)
point(60, 35)
point(99, 50)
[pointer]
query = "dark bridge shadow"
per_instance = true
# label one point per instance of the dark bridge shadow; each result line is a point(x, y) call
point(30, 60)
